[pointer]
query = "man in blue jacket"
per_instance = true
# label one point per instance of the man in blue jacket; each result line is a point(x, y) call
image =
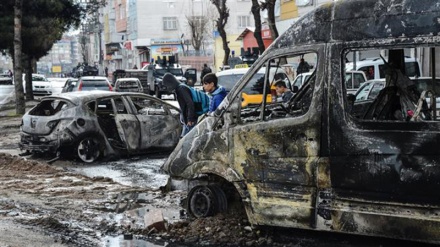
point(216, 92)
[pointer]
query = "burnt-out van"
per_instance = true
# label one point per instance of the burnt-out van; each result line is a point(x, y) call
point(311, 163)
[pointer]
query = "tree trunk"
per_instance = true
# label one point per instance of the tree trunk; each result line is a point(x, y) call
point(20, 104)
point(271, 19)
point(257, 19)
point(225, 46)
point(28, 77)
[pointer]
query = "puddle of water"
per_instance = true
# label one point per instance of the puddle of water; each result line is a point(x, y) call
point(144, 173)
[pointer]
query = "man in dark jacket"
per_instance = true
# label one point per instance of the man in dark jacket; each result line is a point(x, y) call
point(205, 70)
point(188, 116)
point(303, 67)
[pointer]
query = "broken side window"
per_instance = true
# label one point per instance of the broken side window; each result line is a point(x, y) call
point(120, 106)
point(403, 85)
point(91, 106)
point(279, 92)
point(104, 107)
point(50, 107)
point(287, 98)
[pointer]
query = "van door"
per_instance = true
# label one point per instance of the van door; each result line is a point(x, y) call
point(276, 146)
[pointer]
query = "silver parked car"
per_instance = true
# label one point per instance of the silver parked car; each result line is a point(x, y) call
point(97, 124)
point(128, 85)
point(90, 83)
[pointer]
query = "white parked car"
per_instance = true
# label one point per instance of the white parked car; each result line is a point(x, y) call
point(377, 67)
point(57, 84)
point(40, 84)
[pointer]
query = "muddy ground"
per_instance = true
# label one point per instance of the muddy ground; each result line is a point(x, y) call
point(45, 204)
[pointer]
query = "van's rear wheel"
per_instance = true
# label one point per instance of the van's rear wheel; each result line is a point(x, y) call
point(88, 149)
point(204, 201)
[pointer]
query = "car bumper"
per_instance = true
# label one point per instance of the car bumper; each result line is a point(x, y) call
point(45, 143)
point(42, 92)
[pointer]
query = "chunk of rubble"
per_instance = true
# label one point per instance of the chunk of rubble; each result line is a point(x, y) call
point(154, 219)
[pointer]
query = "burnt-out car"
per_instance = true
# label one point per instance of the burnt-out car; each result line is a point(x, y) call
point(310, 163)
point(97, 124)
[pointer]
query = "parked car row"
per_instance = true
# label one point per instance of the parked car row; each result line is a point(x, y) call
point(48, 86)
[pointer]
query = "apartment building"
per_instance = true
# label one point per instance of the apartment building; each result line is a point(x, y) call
point(138, 31)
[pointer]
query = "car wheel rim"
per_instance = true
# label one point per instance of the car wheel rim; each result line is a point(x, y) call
point(88, 150)
point(202, 202)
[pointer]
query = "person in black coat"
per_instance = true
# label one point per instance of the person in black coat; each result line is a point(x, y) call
point(205, 70)
point(188, 115)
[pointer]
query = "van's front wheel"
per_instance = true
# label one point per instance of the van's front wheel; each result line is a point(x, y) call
point(204, 201)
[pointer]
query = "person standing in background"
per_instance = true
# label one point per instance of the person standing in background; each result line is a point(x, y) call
point(205, 70)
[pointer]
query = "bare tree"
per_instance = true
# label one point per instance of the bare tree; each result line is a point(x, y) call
point(198, 28)
point(223, 12)
point(199, 21)
point(269, 5)
point(257, 19)
point(20, 107)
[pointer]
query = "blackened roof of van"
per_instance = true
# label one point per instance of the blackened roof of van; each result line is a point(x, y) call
point(357, 20)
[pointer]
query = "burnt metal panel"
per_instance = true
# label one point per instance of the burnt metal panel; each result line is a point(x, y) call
point(358, 20)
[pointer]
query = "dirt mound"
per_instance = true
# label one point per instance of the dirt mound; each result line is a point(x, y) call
point(13, 163)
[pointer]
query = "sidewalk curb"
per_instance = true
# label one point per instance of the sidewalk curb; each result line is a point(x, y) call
point(8, 109)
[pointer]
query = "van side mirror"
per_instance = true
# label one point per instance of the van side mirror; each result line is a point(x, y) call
point(295, 89)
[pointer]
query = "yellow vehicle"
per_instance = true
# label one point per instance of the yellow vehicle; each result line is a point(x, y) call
point(241, 66)
point(253, 92)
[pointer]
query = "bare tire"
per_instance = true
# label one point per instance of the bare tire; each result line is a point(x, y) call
point(204, 201)
point(88, 149)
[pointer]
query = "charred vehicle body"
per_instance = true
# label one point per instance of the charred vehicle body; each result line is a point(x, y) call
point(309, 163)
point(97, 124)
